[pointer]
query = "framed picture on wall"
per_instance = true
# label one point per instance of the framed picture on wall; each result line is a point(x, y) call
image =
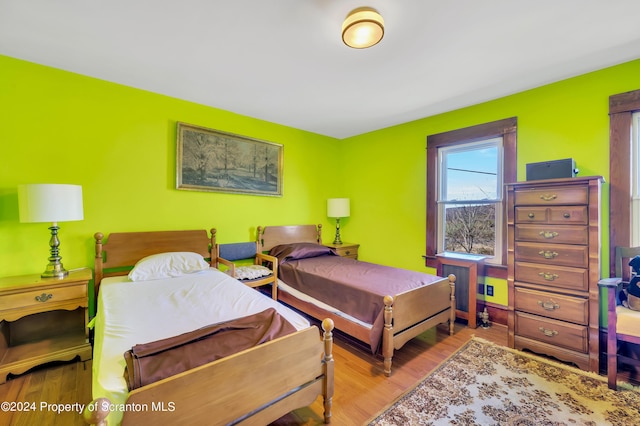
point(211, 160)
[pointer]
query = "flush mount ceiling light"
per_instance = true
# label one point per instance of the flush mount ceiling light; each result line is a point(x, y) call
point(362, 28)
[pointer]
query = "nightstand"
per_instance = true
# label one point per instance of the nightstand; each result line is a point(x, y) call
point(43, 320)
point(345, 249)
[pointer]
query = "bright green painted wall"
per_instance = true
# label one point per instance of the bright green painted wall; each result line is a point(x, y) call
point(119, 144)
point(387, 168)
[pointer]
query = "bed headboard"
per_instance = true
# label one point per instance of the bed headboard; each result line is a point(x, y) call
point(121, 250)
point(271, 236)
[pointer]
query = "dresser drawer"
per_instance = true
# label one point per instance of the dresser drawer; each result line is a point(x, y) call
point(43, 297)
point(561, 277)
point(532, 214)
point(552, 196)
point(563, 234)
point(551, 305)
point(351, 252)
point(553, 332)
point(568, 215)
point(552, 254)
point(561, 215)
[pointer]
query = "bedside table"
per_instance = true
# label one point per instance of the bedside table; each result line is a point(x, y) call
point(43, 320)
point(345, 249)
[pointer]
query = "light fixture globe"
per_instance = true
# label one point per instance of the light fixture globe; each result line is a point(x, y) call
point(362, 28)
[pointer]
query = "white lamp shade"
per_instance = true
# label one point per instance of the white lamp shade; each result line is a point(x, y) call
point(338, 207)
point(50, 203)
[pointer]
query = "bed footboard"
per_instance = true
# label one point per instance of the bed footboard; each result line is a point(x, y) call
point(413, 312)
point(255, 386)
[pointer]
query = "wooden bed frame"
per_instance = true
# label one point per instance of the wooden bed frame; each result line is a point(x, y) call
point(406, 315)
point(255, 386)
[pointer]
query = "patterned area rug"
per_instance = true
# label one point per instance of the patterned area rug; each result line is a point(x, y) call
point(487, 384)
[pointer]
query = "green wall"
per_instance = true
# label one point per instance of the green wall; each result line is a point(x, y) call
point(119, 143)
point(385, 170)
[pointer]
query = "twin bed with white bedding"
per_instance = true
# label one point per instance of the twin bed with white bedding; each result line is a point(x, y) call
point(172, 291)
point(248, 387)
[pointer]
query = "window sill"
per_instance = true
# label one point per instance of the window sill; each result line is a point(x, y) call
point(494, 270)
point(462, 256)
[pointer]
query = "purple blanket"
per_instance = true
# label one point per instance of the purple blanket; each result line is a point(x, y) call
point(354, 287)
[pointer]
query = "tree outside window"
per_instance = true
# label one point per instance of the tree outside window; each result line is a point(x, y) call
point(470, 190)
point(466, 170)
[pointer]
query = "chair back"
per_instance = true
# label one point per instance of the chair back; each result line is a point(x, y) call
point(237, 251)
point(623, 256)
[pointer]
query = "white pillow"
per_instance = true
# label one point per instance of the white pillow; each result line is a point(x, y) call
point(167, 265)
point(252, 272)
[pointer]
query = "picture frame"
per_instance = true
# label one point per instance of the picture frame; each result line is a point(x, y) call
point(215, 161)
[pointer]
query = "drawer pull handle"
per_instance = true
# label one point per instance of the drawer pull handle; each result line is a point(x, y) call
point(44, 297)
point(548, 197)
point(567, 215)
point(548, 333)
point(548, 276)
point(548, 254)
point(548, 234)
point(548, 305)
point(348, 252)
point(531, 215)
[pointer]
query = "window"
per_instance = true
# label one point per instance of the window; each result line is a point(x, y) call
point(635, 184)
point(466, 170)
point(622, 176)
point(470, 197)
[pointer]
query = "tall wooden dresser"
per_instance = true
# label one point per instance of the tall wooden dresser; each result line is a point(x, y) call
point(554, 268)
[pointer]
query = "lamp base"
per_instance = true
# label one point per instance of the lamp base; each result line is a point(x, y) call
point(337, 240)
point(54, 268)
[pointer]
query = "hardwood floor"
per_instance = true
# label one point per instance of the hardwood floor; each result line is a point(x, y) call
point(37, 393)
point(361, 388)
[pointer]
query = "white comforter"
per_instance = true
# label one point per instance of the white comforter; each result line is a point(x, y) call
point(130, 313)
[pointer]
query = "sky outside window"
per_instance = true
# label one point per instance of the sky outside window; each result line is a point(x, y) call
point(472, 174)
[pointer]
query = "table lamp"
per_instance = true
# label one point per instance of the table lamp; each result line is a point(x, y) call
point(338, 207)
point(51, 203)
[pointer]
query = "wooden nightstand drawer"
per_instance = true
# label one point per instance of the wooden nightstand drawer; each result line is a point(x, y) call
point(551, 305)
point(552, 196)
point(51, 297)
point(43, 320)
point(345, 249)
point(348, 251)
point(557, 333)
point(553, 254)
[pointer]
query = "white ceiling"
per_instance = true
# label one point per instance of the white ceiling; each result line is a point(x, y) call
point(284, 61)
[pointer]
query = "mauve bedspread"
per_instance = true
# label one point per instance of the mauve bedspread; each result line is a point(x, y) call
point(149, 362)
point(355, 287)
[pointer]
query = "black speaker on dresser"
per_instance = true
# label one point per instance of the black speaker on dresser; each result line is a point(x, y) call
point(556, 169)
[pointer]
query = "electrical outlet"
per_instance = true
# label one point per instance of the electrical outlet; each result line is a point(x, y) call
point(489, 290)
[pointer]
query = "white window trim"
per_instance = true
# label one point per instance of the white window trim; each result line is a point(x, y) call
point(490, 142)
